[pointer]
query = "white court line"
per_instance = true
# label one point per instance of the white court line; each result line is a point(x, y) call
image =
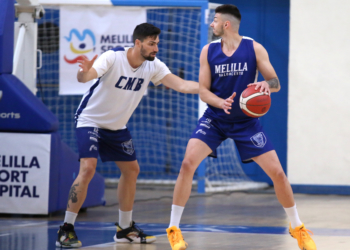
point(4, 235)
point(100, 245)
point(30, 224)
point(109, 244)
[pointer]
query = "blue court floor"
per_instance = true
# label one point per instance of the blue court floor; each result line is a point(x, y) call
point(223, 221)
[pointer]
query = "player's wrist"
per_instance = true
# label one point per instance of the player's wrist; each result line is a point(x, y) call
point(273, 83)
point(222, 104)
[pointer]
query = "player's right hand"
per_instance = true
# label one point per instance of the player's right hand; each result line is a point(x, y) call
point(85, 65)
point(227, 103)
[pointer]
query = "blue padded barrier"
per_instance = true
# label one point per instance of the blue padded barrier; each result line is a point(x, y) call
point(21, 111)
point(7, 18)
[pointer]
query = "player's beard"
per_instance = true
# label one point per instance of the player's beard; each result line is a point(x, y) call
point(147, 57)
point(219, 31)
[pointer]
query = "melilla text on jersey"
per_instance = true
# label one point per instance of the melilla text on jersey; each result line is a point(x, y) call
point(232, 69)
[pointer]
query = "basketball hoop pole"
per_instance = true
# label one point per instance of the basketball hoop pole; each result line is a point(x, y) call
point(18, 48)
point(26, 33)
point(201, 105)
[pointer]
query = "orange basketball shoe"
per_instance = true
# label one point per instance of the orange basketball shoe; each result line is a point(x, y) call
point(175, 238)
point(305, 241)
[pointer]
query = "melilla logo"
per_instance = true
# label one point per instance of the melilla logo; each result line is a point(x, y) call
point(80, 44)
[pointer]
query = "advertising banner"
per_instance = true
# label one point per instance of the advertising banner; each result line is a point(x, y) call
point(89, 31)
point(24, 173)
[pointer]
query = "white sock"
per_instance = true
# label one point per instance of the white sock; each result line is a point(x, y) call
point(176, 213)
point(125, 219)
point(293, 216)
point(70, 217)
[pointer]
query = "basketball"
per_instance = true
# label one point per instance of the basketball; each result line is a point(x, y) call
point(254, 103)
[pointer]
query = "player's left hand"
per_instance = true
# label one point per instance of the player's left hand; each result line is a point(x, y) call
point(226, 105)
point(264, 87)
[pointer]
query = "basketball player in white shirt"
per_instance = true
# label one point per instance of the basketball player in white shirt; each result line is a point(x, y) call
point(123, 76)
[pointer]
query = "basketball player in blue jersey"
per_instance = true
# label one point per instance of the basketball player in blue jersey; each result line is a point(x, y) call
point(123, 76)
point(227, 67)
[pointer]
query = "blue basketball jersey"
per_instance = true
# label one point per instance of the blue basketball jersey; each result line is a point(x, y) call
point(231, 74)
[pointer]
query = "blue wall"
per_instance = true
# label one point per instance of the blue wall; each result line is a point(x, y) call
point(267, 22)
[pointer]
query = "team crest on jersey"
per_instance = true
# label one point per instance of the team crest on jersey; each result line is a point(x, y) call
point(259, 140)
point(128, 147)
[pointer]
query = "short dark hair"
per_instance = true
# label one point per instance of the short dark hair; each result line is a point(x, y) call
point(229, 9)
point(145, 30)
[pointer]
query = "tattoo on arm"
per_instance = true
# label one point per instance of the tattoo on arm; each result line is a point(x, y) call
point(72, 195)
point(274, 83)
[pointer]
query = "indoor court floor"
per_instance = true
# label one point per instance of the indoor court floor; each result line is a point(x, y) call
point(225, 221)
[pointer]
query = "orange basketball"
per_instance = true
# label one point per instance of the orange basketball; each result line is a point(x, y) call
point(254, 103)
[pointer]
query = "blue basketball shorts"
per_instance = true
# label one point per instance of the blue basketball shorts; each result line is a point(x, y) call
point(249, 136)
point(110, 145)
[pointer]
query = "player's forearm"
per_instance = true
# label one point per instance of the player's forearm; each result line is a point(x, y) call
point(274, 84)
point(190, 87)
point(87, 76)
point(210, 98)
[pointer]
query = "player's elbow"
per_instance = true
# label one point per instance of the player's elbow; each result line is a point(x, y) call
point(81, 79)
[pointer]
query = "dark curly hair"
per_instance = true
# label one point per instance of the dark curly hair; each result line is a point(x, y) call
point(145, 30)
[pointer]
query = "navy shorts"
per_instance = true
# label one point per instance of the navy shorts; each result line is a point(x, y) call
point(110, 145)
point(249, 136)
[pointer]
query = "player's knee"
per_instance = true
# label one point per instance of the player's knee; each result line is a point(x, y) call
point(188, 166)
point(131, 172)
point(87, 174)
point(134, 171)
point(279, 176)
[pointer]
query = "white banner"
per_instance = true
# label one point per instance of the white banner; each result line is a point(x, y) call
point(91, 30)
point(24, 173)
